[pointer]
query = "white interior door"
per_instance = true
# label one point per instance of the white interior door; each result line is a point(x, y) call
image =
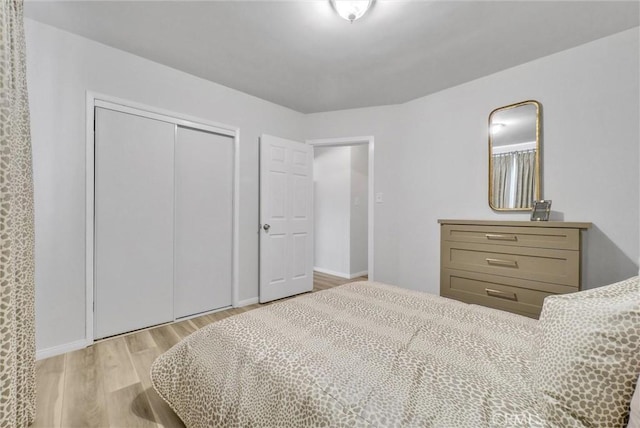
point(286, 218)
point(204, 221)
point(134, 163)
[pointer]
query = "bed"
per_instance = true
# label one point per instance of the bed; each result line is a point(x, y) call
point(371, 354)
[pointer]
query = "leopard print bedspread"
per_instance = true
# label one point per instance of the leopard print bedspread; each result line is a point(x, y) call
point(362, 354)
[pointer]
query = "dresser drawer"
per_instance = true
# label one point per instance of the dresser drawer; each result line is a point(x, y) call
point(536, 264)
point(493, 291)
point(535, 237)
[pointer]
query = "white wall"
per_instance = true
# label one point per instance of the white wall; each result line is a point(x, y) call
point(332, 194)
point(358, 260)
point(61, 67)
point(431, 158)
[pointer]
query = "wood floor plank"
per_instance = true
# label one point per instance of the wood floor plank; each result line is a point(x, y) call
point(49, 394)
point(108, 384)
point(83, 403)
point(116, 364)
point(139, 341)
point(165, 337)
point(142, 363)
point(202, 321)
point(137, 412)
point(184, 328)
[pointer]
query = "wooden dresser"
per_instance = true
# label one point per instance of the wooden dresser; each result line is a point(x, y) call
point(509, 265)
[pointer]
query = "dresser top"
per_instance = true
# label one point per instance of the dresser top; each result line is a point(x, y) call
point(557, 224)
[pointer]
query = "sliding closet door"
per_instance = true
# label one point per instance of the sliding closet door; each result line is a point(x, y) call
point(134, 193)
point(204, 222)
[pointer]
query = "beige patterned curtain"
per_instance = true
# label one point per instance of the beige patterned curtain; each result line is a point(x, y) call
point(513, 179)
point(17, 331)
point(502, 166)
point(525, 162)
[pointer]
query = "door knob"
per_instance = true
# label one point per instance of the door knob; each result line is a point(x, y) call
point(266, 227)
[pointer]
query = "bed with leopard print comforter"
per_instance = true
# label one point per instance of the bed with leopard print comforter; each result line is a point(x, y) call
point(362, 354)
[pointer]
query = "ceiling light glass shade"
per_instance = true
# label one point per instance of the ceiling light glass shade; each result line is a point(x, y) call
point(351, 9)
point(497, 127)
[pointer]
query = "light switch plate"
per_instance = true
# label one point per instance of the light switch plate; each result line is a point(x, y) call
point(379, 198)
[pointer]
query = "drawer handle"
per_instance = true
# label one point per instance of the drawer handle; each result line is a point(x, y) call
point(501, 294)
point(494, 237)
point(499, 262)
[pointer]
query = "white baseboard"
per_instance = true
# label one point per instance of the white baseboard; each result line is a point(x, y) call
point(41, 354)
point(332, 272)
point(357, 274)
point(247, 302)
point(341, 274)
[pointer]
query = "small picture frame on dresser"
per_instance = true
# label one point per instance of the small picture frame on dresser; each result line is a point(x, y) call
point(541, 210)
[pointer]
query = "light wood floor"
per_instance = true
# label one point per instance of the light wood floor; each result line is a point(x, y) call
point(107, 384)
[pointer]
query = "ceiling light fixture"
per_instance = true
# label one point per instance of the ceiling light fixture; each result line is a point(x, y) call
point(351, 10)
point(497, 127)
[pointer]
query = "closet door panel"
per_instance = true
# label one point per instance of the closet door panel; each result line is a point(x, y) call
point(204, 221)
point(134, 193)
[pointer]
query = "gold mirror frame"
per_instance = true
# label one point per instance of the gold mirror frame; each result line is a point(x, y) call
point(537, 166)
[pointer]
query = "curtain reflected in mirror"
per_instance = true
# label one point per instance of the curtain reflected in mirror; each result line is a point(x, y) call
point(514, 148)
point(513, 179)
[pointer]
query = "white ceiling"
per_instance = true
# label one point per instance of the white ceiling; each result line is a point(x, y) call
point(301, 55)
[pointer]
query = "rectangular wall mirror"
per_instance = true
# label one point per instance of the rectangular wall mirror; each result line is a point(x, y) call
point(514, 156)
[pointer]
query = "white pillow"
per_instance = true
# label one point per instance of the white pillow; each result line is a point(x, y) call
point(634, 415)
point(589, 356)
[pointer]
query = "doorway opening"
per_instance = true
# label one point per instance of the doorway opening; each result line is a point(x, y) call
point(343, 206)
